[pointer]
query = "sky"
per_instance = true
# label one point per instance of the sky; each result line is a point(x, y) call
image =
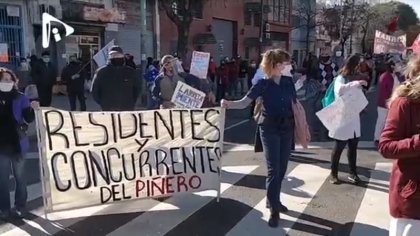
point(415, 4)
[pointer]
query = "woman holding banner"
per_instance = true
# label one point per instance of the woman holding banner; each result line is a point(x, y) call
point(275, 124)
point(400, 141)
point(15, 113)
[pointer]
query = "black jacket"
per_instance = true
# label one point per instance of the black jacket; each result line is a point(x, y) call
point(73, 85)
point(44, 74)
point(116, 88)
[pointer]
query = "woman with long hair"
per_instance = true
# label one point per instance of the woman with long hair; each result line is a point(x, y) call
point(275, 124)
point(400, 141)
point(15, 113)
point(348, 134)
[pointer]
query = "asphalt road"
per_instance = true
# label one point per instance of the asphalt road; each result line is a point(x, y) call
point(316, 207)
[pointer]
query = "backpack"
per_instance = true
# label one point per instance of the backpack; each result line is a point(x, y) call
point(329, 96)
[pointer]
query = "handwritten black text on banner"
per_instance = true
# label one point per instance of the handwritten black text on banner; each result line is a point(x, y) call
point(94, 158)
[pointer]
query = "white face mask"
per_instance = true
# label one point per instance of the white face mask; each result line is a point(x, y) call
point(338, 53)
point(6, 87)
point(287, 71)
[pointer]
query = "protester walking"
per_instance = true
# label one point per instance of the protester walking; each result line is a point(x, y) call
point(74, 77)
point(16, 112)
point(166, 82)
point(115, 87)
point(347, 134)
point(44, 75)
point(388, 81)
point(400, 141)
point(275, 124)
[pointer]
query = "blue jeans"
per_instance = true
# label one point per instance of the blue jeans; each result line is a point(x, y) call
point(16, 163)
point(277, 143)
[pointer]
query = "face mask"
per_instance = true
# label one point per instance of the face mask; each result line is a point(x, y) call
point(6, 87)
point(46, 59)
point(253, 65)
point(338, 53)
point(287, 71)
point(117, 61)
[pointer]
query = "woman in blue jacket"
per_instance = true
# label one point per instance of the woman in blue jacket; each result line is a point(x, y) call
point(16, 111)
point(276, 123)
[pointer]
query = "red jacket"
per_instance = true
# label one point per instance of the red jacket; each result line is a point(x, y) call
point(400, 141)
point(386, 84)
point(223, 75)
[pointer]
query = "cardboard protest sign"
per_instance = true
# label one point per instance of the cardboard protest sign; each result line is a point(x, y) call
point(343, 110)
point(101, 57)
point(95, 158)
point(186, 96)
point(385, 43)
point(200, 64)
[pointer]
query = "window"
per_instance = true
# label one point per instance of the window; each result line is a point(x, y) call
point(197, 11)
point(248, 18)
point(257, 19)
point(280, 11)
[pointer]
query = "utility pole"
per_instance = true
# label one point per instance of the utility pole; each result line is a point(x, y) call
point(143, 27)
point(261, 27)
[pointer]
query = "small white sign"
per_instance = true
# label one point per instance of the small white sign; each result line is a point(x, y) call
point(13, 11)
point(200, 64)
point(186, 96)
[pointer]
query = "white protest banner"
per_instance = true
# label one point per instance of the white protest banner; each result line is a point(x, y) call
point(343, 110)
point(101, 57)
point(385, 43)
point(186, 96)
point(95, 158)
point(200, 64)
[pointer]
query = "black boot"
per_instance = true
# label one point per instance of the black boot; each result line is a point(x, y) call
point(273, 221)
point(354, 179)
point(334, 179)
point(283, 208)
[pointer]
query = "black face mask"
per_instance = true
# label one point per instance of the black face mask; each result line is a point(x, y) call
point(117, 61)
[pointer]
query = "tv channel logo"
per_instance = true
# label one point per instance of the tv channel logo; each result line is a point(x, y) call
point(47, 19)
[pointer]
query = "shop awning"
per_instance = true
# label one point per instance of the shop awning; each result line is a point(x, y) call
point(204, 38)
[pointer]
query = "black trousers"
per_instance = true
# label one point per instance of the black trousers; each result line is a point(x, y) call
point(79, 96)
point(351, 155)
point(45, 95)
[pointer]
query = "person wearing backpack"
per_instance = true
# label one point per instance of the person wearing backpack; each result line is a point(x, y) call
point(348, 134)
point(276, 123)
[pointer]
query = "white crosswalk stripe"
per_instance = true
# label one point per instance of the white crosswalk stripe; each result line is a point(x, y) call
point(159, 218)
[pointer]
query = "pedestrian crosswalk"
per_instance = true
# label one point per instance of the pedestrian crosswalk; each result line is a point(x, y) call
point(241, 210)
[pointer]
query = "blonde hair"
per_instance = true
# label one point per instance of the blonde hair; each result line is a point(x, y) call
point(271, 58)
point(411, 87)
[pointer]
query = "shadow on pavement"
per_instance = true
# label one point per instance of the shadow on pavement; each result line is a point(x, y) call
point(343, 168)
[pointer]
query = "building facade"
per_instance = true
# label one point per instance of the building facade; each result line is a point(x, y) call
point(95, 23)
point(232, 28)
point(303, 35)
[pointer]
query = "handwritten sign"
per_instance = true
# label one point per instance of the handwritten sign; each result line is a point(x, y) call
point(186, 96)
point(95, 158)
point(200, 64)
point(385, 43)
point(343, 110)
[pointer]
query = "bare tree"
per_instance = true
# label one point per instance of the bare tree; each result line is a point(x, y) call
point(340, 21)
point(306, 14)
point(366, 16)
point(181, 13)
